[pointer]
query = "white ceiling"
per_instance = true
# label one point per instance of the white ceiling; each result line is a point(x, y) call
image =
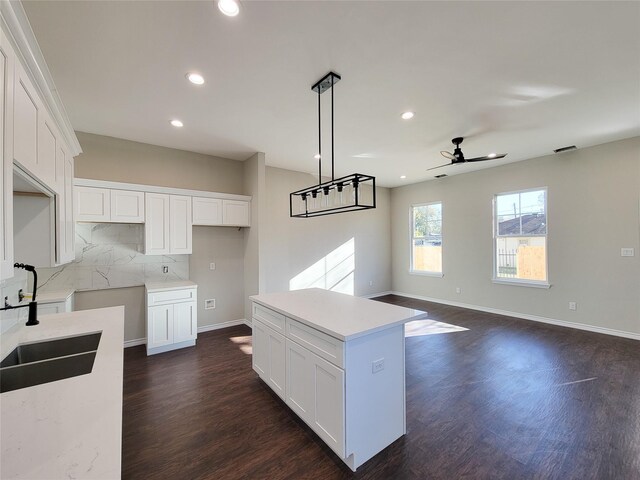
point(517, 77)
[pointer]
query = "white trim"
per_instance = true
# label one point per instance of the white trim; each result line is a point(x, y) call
point(87, 182)
point(218, 326)
point(374, 295)
point(526, 316)
point(248, 323)
point(426, 273)
point(521, 283)
point(28, 51)
point(135, 342)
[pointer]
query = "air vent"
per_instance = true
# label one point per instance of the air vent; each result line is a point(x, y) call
point(565, 149)
point(441, 175)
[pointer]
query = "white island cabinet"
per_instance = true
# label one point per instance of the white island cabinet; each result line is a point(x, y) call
point(338, 363)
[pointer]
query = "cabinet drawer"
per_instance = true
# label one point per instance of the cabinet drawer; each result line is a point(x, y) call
point(323, 345)
point(172, 296)
point(270, 318)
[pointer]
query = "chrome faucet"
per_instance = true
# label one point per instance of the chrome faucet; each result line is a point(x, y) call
point(33, 305)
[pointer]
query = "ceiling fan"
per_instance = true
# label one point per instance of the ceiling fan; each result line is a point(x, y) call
point(457, 157)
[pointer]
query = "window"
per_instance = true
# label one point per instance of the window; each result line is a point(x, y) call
point(426, 238)
point(520, 237)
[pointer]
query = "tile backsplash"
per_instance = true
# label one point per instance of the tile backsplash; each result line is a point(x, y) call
point(109, 255)
point(9, 288)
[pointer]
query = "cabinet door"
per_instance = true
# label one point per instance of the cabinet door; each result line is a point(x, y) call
point(7, 59)
point(159, 326)
point(299, 394)
point(47, 149)
point(277, 353)
point(260, 350)
point(156, 226)
point(69, 250)
point(185, 322)
point(25, 122)
point(328, 413)
point(180, 239)
point(93, 204)
point(235, 212)
point(207, 211)
point(127, 206)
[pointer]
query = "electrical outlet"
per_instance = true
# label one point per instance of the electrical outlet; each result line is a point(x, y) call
point(212, 266)
point(627, 252)
point(165, 269)
point(371, 283)
point(210, 304)
point(377, 365)
point(573, 306)
point(458, 290)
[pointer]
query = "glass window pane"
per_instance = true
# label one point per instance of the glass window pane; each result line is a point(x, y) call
point(523, 258)
point(533, 207)
point(427, 238)
point(426, 256)
point(508, 214)
point(419, 221)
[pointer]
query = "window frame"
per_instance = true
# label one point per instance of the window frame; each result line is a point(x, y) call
point(425, 273)
point(520, 281)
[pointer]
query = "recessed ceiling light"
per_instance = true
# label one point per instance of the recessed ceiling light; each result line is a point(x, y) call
point(195, 78)
point(492, 155)
point(229, 7)
point(317, 156)
point(176, 123)
point(403, 176)
point(407, 115)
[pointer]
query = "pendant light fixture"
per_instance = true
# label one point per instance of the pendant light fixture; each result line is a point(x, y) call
point(338, 195)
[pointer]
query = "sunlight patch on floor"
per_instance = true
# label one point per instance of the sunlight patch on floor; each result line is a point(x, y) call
point(244, 344)
point(419, 328)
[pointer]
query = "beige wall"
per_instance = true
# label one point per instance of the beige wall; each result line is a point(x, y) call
point(292, 245)
point(133, 300)
point(113, 159)
point(254, 272)
point(593, 211)
point(117, 160)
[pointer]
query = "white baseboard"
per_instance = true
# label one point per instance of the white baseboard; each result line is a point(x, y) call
point(379, 294)
point(135, 342)
point(248, 323)
point(526, 316)
point(218, 326)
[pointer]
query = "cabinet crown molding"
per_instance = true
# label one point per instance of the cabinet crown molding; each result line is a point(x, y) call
point(87, 182)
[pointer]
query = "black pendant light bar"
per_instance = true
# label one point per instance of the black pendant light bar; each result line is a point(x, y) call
point(338, 195)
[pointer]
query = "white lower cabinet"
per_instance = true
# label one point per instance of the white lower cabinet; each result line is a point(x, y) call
point(269, 357)
point(172, 317)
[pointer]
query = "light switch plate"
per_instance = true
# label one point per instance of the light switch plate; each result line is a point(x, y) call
point(212, 266)
point(627, 252)
point(377, 365)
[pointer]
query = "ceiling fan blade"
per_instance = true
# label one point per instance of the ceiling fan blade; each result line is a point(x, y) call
point(486, 157)
point(448, 155)
point(440, 166)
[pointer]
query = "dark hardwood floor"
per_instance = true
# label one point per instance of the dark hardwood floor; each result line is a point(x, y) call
point(504, 399)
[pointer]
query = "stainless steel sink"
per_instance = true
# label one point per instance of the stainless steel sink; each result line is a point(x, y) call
point(32, 364)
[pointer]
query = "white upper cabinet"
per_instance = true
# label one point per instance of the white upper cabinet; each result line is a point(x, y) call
point(109, 205)
point(7, 62)
point(156, 227)
point(127, 206)
point(180, 231)
point(235, 213)
point(207, 211)
point(25, 123)
point(93, 204)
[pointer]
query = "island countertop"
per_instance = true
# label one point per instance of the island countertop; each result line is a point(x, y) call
point(342, 316)
point(70, 428)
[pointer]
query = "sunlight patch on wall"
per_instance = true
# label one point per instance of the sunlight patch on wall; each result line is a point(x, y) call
point(335, 271)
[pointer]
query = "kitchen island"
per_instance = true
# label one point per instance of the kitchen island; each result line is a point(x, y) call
point(69, 428)
point(338, 362)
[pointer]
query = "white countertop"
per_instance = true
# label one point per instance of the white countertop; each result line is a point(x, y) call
point(162, 286)
point(342, 316)
point(70, 428)
point(54, 296)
